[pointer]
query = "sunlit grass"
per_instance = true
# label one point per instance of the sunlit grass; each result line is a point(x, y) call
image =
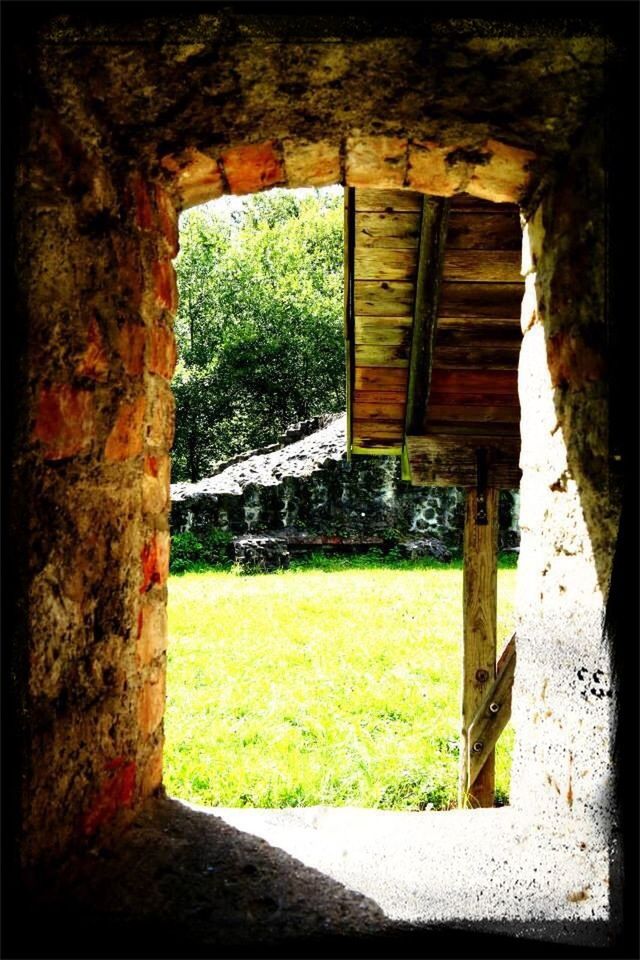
point(337, 684)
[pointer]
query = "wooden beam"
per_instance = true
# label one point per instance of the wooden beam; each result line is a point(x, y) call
point(479, 636)
point(433, 232)
point(349, 333)
point(493, 714)
point(448, 457)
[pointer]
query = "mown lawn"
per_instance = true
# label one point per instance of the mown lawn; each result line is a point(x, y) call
point(335, 683)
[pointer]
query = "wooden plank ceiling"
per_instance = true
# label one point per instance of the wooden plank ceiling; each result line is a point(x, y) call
point(432, 324)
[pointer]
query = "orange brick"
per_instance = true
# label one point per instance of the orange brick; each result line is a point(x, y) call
point(168, 220)
point(252, 168)
point(155, 483)
point(151, 704)
point(376, 161)
point(65, 421)
point(94, 362)
point(196, 176)
point(142, 202)
point(126, 438)
point(429, 170)
point(312, 164)
point(505, 178)
point(152, 631)
point(132, 339)
point(162, 354)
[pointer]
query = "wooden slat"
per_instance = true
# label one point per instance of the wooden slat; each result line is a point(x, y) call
point(399, 231)
point(487, 357)
point(484, 231)
point(484, 265)
point(499, 300)
point(464, 201)
point(381, 333)
point(461, 331)
point(379, 396)
point(368, 355)
point(374, 448)
point(379, 378)
point(349, 239)
point(384, 298)
point(480, 605)
point(372, 263)
point(475, 413)
point(390, 412)
point(388, 201)
point(365, 431)
point(450, 459)
point(466, 431)
point(480, 384)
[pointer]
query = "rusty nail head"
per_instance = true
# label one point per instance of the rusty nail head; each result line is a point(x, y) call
point(482, 676)
point(477, 747)
point(494, 707)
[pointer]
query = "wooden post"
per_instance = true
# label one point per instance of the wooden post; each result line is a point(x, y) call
point(479, 633)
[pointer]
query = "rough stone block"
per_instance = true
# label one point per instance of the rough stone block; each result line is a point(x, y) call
point(529, 309)
point(167, 219)
point(376, 161)
point(505, 176)
point(152, 773)
point(94, 362)
point(252, 168)
point(65, 421)
point(434, 169)
point(155, 483)
point(162, 351)
point(312, 164)
point(165, 290)
point(160, 416)
point(572, 362)
point(140, 193)
point(131, 341)
point(129, 280)
point(126, 438)
point(152, 631)
point(155, 561)
point(151, 704)
point(197, 177)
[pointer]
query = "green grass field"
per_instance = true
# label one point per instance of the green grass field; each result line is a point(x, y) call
point(336, 682)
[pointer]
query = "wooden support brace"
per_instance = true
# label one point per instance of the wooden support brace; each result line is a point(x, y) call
point(493, 714)
point(479, 635)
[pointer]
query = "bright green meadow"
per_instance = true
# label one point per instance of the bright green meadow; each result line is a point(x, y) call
point(336, 682)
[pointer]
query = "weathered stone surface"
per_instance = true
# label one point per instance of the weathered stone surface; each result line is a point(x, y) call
point(262, 554)
point(426, 547)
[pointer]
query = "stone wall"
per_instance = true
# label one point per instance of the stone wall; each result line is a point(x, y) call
point(306, 486)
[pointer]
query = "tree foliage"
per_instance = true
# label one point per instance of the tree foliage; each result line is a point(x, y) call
point(259, 327)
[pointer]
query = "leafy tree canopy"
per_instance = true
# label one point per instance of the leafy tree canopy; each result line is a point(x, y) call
point(259, 327)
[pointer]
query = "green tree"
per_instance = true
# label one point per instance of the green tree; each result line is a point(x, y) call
point(259, 326)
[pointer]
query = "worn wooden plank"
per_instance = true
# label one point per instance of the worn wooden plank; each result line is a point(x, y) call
point(480, 595)
point(474, 412)
point(380, 333)
point(379, 396)
point(488, 357)
point(399, 231)
point(474, 385)
point(391, 412)
point(366, 431)
point(484, 231)
point(482, 265)
point(385, 355)
point(463, 431)
point(388, 201)
point(376, 449)
point(449, 459)
point(393, 298)
point(433, 232)
point(493, 714)
point(499, 300)
point(460, 331)
point(380, 378)
point(372, 263)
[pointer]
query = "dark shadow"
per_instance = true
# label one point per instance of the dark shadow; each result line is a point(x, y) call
point(182, 883)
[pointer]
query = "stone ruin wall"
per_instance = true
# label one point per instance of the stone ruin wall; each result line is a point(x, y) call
point(108, 131)
point(309, 488)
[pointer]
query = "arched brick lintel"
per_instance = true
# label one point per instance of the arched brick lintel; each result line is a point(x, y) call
point(487, 168)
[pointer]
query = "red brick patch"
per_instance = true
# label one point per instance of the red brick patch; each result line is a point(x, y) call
point(94, 362)
point(116, 792)
point(142, 201)
point(126, 438)
point(162, 352)
point(65, 421)
point(252, 168)
point(168, 220)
